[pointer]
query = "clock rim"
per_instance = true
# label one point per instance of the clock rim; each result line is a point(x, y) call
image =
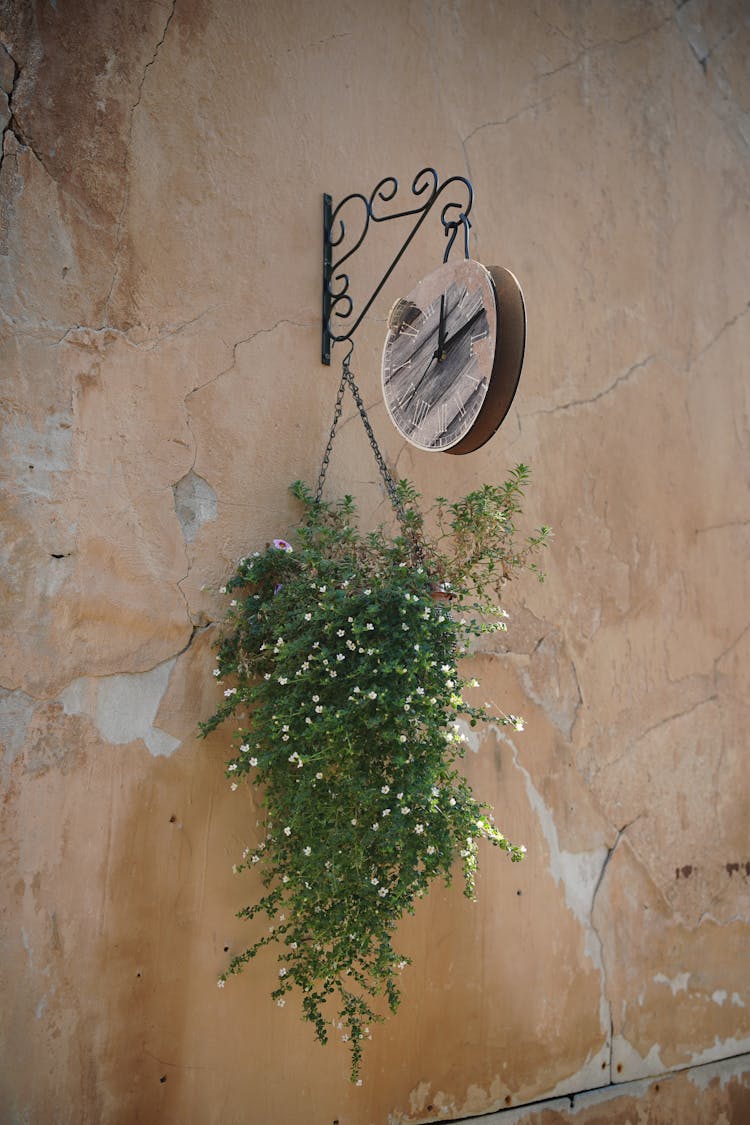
point(486, 272)
point(510, 348)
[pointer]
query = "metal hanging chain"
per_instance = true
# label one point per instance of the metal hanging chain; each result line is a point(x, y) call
point(390, 484)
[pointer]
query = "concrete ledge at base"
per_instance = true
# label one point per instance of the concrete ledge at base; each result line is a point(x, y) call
point(716, 1092)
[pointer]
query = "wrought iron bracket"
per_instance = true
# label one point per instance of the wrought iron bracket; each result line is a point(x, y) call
point(338, 303)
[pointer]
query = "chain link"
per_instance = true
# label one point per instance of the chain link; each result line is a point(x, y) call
point(390, 485)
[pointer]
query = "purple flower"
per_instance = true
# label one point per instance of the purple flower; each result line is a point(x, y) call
point(277, 588)
point(282, 545)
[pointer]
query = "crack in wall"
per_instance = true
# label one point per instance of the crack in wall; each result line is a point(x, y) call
point(610, 852)
point(626, 375)
point(125, 163)
point(724, 328)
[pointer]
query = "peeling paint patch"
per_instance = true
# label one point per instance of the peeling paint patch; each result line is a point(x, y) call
point(628, 1064)
point(677, 983)
point(195, 503)
point(16, 709)
point(725, 1070)
point(719, 996)
point(721, 1049)
point(124, 707)
point(577, 871)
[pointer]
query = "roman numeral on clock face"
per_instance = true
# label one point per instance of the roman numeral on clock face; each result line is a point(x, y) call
point(419, 412)
point(404, 397)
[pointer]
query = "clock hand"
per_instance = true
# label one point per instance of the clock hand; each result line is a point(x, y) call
point(441, 329)
point(460, 332)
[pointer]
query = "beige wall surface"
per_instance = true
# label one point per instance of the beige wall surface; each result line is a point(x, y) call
point(160, 237)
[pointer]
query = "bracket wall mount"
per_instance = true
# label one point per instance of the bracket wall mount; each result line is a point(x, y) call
point(338, 303)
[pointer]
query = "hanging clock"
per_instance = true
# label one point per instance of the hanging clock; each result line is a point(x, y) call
point(453, 355)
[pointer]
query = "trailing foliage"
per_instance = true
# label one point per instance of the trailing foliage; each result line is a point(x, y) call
point(348, 703)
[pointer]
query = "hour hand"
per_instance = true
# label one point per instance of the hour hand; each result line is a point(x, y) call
point(440, 351)
point(463, 329)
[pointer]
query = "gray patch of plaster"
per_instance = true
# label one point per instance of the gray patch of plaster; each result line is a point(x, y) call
point(579, 874)
point(195, 503)
point(16, 709)
point(628, 1065)
point(124, 707)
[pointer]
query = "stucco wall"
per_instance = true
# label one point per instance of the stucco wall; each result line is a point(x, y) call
point(160, 203)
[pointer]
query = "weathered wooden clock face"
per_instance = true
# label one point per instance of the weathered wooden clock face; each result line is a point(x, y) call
point(440, 360)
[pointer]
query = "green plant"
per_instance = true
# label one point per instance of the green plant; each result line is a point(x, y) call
point(349, 705)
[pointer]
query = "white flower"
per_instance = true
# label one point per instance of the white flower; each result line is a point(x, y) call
point(517, 721)
point(386, 812)
point(222, 589)
point(385, 788)
point(354, 821)
point(308, 720)
point(230, 691)
point(383, 892)
point(221, 982)
point(233, 602)
point(319, 775)
point(287, 831)
point(322, 589)
point(399, 796)
point(402, 964)
point(340, 633)
point(374, 880)
point(283, 680)
point(445, 668)
point(253, 761)
point(452, 801)
point(402, 738)
point(216, 672)
point(405, 810)
point(333, 673)
point(341, 656)
point(233, 786)
point(255, 859)
point(285, 878)
point(522, 848)
point(308, 617)
point(282, 971)
point(375, 826)
point(307, 850)
point(358, 1082)
point(244, 748)
point(319, 709)
point(372, 695)
point(419, 829)
point(267, 676)
point(369, 626)
point(232, 766)
point(430, 849)
point(280, 1002)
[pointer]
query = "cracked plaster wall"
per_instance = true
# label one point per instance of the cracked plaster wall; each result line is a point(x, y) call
point(160, 183)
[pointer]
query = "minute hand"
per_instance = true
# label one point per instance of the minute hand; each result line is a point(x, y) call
point(461, 331)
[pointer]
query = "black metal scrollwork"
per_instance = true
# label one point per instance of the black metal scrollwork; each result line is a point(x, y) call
point(338, 304)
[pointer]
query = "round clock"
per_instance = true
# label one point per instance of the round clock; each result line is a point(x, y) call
point(453, 355)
